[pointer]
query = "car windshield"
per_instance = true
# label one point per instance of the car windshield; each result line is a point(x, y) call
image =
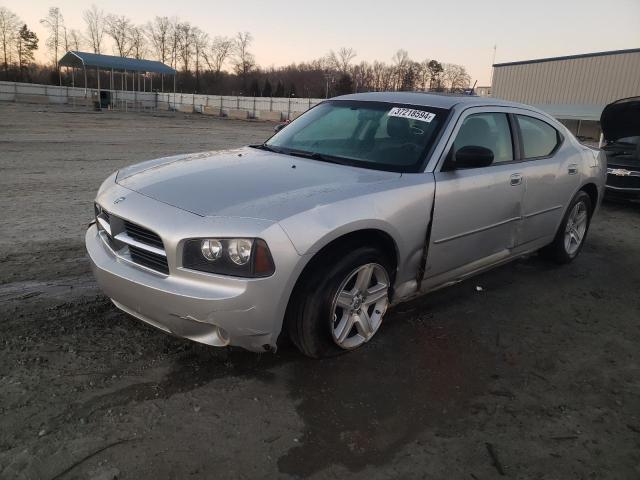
point(375, 135)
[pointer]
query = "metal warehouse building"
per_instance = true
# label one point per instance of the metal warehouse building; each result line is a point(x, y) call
point(574, 89)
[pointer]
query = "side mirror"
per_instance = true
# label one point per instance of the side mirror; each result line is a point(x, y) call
point(279, 127)
point(472, 156)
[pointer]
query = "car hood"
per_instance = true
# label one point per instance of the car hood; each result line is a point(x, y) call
point(248, 182)
point(621, 119)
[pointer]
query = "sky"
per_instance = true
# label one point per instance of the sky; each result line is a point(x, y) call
point(460, 31)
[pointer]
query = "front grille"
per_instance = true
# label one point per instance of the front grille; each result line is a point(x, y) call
point(142, 234)
point(128, 239)
point(149, 259)
point(619, 181)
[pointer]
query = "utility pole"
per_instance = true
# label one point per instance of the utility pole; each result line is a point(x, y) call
point(493, 61)
point(327, 77)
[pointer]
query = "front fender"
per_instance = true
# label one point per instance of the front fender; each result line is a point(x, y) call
point(402, 211)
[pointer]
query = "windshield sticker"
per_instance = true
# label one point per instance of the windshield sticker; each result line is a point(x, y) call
point(419, 115)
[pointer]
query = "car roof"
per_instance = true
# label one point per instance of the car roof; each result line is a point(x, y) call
point(437, 100)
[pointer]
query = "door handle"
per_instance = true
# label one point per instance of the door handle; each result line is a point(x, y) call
point(516, 179)
point(573, 169)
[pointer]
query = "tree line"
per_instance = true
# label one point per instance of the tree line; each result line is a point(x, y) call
point(212, 64)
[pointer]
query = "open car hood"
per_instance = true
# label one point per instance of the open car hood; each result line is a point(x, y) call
point(621, 119)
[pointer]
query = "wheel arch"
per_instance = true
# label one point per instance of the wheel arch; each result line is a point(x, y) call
point(356, 238)
point(592, 190)
point(372, 236)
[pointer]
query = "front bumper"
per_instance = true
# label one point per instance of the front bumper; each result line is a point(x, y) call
point(190, 304)
point(623, 182)
point(193, 310)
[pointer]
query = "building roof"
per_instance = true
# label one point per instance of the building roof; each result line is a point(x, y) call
point(109, 62)
point(568, 57)
point(576, 111)
point(435, 100)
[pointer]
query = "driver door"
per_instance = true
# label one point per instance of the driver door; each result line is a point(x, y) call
point(477, 211)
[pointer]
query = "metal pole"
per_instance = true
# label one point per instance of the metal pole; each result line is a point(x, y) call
point(174, 91)
point(99, 98)
point(111, 90)
point(73, 84)
point(84, 68)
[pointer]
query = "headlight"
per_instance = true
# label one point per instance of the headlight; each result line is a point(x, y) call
point(240, 250)
point(240, 257)
point(211, 249)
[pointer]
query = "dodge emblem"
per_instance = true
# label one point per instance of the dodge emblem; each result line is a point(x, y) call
point(620, 172)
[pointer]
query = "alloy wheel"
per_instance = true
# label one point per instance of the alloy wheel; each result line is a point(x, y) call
point(359, 305)
point(576, 228)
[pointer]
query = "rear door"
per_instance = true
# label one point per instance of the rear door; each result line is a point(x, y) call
point(477, 211)
point(551, 175)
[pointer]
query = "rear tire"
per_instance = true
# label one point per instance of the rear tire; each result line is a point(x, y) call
point(572, 232)
point(330, 297)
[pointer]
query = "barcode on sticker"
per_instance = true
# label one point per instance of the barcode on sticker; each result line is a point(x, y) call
point(413, 114)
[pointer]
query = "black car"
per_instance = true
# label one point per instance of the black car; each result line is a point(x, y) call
point(620, 123)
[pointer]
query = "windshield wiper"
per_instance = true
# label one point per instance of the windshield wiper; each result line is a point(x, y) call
point(304, 154)
point(318, 156)
point(268, 148)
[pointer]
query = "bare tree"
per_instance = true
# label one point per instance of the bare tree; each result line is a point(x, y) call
point(219, 51)
point(455, 76)
point(402, 64)
point(200, 41)
point(54, 23)
point(184, 36)
point(244, 60)
point(159, 32)
point(341, 61)
point(174, 34)
point(138, 42)
point(94, 18)
point(119, 29)
point(9, 24)
point(75, 40)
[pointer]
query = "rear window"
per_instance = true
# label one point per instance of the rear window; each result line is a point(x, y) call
point(539, 139)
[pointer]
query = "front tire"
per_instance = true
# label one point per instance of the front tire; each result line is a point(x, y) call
point(340, 304)
point(572, 232)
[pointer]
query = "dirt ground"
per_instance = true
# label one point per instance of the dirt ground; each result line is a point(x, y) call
point(536, 376)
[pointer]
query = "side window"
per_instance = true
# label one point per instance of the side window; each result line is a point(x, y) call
point(489, 130)
point(539, 139)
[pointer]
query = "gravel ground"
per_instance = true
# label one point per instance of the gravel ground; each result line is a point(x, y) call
point(536, 376)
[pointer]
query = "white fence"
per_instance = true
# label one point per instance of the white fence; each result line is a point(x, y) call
point(265, 108)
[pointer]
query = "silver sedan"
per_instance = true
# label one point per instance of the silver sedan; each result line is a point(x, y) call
point(363, 202)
